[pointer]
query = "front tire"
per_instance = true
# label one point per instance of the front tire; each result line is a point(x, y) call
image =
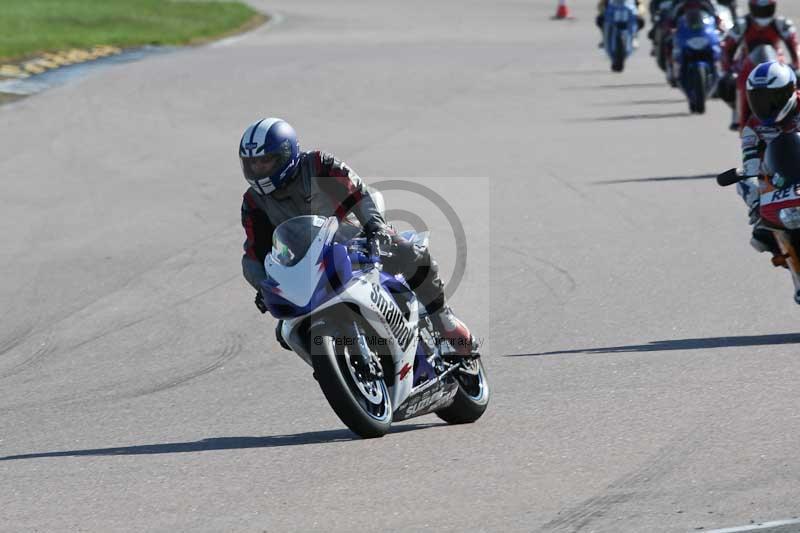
point(618, 64)
point(472, 397)
point(363, 404)
point(699, 88)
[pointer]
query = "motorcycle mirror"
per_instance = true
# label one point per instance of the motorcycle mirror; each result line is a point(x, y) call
point(782, 158)
point(729, 177)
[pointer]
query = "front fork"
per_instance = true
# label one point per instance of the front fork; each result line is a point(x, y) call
point(788, 257)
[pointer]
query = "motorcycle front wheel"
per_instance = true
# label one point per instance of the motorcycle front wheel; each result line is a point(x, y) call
point(698, 80)
point(359, 399)
point(618, 63)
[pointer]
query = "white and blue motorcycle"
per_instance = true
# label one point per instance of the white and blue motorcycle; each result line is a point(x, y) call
point(375, 354)
point(620, 24)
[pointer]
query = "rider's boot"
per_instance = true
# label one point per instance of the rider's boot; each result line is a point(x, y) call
point(452, 329)
point(734, 120)
point(672, 77)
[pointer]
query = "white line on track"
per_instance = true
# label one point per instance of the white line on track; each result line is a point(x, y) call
point(274, 20)
point(778, 526)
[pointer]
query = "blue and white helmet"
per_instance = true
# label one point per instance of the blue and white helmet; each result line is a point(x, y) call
point(269, 153)
point(772, 92)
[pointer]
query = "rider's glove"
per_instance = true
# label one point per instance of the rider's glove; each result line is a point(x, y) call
point(382, 236)
point(260, 303)
point(748, 189)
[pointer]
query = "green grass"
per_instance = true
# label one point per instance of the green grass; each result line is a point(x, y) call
point(28, 27)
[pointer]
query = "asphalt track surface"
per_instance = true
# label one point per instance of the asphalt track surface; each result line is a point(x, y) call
point(643, 358)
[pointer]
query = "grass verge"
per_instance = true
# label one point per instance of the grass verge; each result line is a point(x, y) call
point(29, 27)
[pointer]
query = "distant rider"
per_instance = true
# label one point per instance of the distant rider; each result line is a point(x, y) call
point(759, 27)
point(601, 15)
point(679, 9)
point(285, 183)
point(773, 97)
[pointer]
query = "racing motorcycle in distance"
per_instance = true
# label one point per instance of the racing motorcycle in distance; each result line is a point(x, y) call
point(779, 205)
point(697, 52)
point(375, 353)
point(662, 34)
point(620, 25)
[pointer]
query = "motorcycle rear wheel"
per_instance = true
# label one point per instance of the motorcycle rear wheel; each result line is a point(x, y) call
point(472, 397)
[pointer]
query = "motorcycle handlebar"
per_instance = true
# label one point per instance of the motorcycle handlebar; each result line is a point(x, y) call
point(364, 250)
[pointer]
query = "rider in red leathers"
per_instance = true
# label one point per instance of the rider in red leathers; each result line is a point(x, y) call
point(759, 27)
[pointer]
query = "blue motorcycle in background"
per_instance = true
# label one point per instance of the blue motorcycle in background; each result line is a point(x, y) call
point(696, 54)
point(620, 24)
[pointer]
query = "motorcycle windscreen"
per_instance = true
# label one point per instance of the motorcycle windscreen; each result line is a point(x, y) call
point(292, 239)
point(783, 158)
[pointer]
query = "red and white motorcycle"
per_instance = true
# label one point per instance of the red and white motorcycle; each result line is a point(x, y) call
point(779, 206)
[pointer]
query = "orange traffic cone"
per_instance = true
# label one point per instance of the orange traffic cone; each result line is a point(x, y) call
point(562, 12)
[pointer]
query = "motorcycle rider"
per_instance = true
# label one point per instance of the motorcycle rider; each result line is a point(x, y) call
point(760, 26)
point(655, 8)
point(679, 8)
point(285, 182)
point(773, 97)
point(601, 15)
point(657, 5)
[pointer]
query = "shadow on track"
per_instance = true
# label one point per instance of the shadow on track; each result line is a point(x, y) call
point(581, 72)
point(221, 443)
point(637, 116)
point(628, 103)
point(658, 101)
point(657, 179)
point(616, 86)
point(682, 344)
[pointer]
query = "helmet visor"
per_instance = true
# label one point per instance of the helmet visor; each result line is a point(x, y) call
point(759, 12)
point(767, 104)
point(695, 19)
point(262, 167)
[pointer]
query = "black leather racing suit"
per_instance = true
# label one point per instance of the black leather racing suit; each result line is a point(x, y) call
point(324, 186)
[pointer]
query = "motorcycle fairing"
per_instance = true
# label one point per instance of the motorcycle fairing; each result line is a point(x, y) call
point(698, 44)
point(620, 15)
point(774, 199)
point(320, 275)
